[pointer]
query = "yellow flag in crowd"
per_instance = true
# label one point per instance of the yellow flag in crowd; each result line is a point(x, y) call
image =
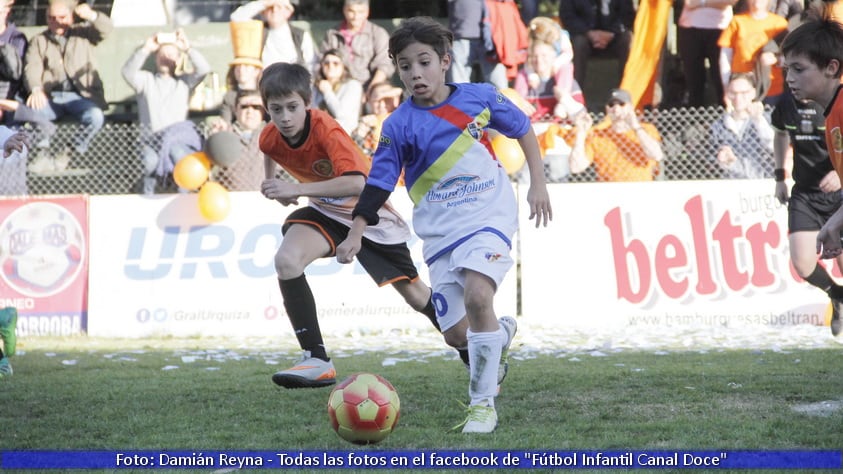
point(639, 75)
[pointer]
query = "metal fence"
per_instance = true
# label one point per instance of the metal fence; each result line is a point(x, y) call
point(113, 165)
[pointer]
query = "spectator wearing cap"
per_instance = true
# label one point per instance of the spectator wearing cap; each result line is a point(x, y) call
point(248, 169)
point(621, 148)
point(245, 69)
point(364, 44)
point(282, 42)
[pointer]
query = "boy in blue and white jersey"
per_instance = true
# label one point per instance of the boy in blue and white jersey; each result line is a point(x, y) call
point(465, 210)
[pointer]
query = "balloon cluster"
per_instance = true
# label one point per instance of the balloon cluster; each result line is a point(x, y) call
point(193, 170)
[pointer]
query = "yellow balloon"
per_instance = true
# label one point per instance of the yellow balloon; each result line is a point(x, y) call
point(190, 172)
point(214, 202)
point(509, 153)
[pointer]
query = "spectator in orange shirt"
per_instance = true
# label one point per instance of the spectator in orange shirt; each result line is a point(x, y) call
point(621, 149)
point(745, 43)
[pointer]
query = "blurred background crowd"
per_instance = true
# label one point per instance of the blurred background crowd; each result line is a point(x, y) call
point(115, 93)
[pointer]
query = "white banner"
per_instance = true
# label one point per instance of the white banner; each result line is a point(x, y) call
point(711, 253)
point(158, 268)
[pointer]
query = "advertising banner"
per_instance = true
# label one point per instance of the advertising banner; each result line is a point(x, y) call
point(44, 263)
point(160, 268)
point(711, 253)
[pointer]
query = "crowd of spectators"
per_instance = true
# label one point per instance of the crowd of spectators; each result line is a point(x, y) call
point(544, 59)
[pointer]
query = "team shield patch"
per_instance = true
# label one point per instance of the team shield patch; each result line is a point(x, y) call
point(837, 140)
point(323, 167)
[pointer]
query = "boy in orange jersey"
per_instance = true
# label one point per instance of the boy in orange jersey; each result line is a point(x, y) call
point(813, 57)
point(312, 147)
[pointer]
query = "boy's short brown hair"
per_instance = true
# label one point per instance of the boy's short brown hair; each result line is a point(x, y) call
point(283, 79)
point(821, 41)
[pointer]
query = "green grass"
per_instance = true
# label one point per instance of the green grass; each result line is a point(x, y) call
point(122, 399)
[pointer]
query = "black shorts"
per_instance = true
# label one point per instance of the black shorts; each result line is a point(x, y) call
point(385, 263)
point(809, 211)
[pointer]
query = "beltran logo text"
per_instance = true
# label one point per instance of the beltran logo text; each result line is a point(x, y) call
point(722, 255)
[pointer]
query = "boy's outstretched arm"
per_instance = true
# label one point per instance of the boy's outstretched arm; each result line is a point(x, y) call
point(349, 247)
point(287, 193)
point(828, 239)
point(365, 214)
point(537, 196)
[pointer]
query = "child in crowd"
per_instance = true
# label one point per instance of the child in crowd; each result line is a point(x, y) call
point(383, 99)
point(312, 147)
point(742, 139)
point(465, 209)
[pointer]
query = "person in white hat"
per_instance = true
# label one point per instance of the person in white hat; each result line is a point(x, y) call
point(283, 42)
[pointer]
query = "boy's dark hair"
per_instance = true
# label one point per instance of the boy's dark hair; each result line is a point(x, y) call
point(821, 41)
point(283, 79)
point(420, 29)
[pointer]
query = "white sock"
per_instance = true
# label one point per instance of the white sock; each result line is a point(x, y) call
point(484, 351)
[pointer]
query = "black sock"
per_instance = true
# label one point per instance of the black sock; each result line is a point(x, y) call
point(822, 280)
point(1, 354)
point(301, 309)
point(430, 312)
point(463, 352)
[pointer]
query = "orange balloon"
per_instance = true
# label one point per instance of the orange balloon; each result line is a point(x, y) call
point(190, 172)
point(516, 98)
point(509, 153)
point(204, 158)
point(214, 202)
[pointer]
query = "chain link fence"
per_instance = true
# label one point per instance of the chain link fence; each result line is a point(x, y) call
point(113, 164)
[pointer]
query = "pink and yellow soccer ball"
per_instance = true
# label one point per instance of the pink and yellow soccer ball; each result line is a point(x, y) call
point(364, 408)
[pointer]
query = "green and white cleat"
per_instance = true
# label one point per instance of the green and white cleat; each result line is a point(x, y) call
point(480, 419)
point(8, 325)
point(510, 325)
point(5, 368)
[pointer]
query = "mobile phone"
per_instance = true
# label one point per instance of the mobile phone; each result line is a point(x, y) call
point(165, 38)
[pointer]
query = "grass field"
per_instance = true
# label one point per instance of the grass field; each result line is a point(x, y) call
point(199, 395)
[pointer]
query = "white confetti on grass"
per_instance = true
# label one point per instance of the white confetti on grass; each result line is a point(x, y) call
point(824, 408)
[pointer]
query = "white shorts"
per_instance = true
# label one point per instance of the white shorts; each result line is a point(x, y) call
point(484, 253)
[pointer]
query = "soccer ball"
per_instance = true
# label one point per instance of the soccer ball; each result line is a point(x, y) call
point(364, 408)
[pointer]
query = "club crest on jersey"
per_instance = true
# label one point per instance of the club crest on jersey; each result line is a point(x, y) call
point(492, 257)
point(475, 130)
point(323, 167)
point(837, 140)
